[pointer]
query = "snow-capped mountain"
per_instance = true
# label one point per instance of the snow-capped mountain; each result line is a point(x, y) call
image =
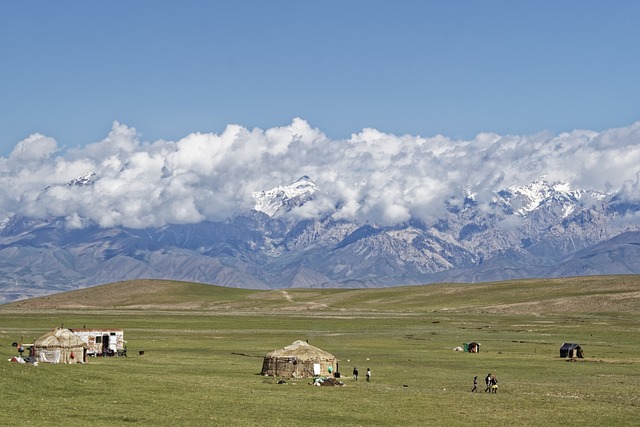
point(81, 181)
point(283, 198)
point(522, 200)
point(84, 180)
point(539, 230)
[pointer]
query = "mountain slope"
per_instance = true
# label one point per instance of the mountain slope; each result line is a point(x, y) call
point(540, 230)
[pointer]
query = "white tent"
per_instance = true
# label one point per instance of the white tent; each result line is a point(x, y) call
point(60, 346)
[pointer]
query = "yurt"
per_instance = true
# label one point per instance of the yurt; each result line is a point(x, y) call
point(60, 346)
point(298, 360)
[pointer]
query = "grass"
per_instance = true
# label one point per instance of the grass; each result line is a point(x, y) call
point(203, 348)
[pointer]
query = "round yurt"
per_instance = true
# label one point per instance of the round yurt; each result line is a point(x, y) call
point(298, 360)
point(60, 346)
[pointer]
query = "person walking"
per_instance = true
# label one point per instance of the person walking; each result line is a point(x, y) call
point(355, 373)
point(368, 374)
point(488, 382)
point(475, 384)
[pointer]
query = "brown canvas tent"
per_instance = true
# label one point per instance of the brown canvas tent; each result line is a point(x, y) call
point(60, 346)
point(298, 360)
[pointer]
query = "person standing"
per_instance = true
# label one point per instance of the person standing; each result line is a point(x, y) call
point(355, 373)
point(475, 384)
point(368, 374)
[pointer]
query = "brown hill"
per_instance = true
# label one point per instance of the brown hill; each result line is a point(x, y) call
point(590, 294)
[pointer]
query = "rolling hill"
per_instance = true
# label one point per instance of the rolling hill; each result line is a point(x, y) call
point(592, 294)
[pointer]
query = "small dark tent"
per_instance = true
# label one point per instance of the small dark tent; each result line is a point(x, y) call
point(571, 350)
point(298, 360)
point(472, 347)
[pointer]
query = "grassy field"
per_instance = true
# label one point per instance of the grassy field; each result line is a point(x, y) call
point(203, 347)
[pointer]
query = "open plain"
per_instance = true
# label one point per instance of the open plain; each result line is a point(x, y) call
point(195, 353)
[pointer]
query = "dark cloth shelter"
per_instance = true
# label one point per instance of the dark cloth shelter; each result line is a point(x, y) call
point(571, 350)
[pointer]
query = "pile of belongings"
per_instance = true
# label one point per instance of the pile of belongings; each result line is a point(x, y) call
point(330, 382)
point(19, 359)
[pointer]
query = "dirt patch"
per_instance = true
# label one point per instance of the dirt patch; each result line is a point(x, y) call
point(599, 303)
point(287, 296)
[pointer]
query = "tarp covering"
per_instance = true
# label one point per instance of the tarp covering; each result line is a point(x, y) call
point(297, 361)
point(50, 356)
point(60, 346)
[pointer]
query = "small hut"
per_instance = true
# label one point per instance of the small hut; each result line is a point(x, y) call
point(571, 350)
point(298, 360)
point(472, 347)
point(60, 346)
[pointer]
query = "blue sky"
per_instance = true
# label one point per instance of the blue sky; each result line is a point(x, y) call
point(457, 68)
point(182, 111)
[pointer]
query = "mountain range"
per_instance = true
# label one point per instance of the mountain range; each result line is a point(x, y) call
point(543, 229)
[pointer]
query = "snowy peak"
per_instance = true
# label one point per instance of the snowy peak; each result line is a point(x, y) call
point(283, 198)
point(523, 200)
point(81, 181)
point(84, 180)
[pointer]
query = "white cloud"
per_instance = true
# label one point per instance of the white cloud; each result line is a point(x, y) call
point(372, 176)
point(35, 148)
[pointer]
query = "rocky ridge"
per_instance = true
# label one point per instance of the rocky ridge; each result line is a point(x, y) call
point(539, 230)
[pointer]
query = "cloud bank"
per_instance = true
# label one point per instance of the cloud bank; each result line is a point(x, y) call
point(372, 176)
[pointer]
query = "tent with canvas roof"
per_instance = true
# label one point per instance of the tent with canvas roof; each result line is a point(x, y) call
point(60, 346)
point(298, 360)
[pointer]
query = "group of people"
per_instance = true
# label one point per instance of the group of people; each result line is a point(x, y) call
point(355, 374)
point(491, 381)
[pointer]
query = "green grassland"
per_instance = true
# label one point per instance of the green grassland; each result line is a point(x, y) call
point(203, 347)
